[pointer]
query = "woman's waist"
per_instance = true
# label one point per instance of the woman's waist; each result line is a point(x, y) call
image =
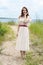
point(23, 25)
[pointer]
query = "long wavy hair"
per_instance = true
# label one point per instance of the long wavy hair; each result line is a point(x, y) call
point(22, 12)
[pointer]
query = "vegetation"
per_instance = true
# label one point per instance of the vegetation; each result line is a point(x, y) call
point(35, 56)
point(37, 29)
point(6, 32)
point(11, 23)
point(34, 59)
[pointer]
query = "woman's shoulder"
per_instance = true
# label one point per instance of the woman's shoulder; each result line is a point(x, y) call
point(19, 17)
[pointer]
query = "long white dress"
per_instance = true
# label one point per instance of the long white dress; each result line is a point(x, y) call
point(22, 42)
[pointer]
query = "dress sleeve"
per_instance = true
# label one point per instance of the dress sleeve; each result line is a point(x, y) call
point(20, 20)
point(29, 20)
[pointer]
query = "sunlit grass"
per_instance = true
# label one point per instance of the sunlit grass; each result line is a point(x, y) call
point(34, 59)
point(35, 56)
point(36, 31)
point(11, 23)
point(6, 33)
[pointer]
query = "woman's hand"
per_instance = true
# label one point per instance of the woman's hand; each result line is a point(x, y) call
point(25, 18)
point(17, 34)
point(17, 31)
point(25, 15)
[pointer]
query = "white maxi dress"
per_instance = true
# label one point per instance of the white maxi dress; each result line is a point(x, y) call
point(22, 41)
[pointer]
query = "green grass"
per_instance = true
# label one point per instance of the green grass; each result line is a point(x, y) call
point(34, 59)
point(36, 31)
point(6, 33)
point(10, 23)
point(35, 56)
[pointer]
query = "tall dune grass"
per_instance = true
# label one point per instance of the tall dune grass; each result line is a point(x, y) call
point(37, 29)
point(10, 23)
point(6, 33)
point(35, 56)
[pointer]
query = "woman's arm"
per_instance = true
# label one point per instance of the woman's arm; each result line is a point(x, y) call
point(28, 20)
point(18, 25)
point(18, 28)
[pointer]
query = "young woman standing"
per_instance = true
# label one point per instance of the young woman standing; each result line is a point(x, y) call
point(22, 43)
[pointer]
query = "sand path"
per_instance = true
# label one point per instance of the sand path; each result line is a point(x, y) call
point(9, 55)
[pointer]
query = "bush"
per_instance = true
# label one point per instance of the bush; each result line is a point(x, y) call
point(3, 29)
point(33, 59)
point(11, 23)
point(36, 36)
point(37, 28)
point(6, 33)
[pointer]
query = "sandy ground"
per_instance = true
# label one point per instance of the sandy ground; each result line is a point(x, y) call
point(9, 55)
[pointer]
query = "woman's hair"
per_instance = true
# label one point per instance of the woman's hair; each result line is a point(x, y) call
point(22, 12)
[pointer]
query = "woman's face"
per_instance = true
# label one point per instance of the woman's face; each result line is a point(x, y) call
point(24, 11)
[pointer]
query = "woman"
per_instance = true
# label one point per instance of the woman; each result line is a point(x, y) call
point(22, 43)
